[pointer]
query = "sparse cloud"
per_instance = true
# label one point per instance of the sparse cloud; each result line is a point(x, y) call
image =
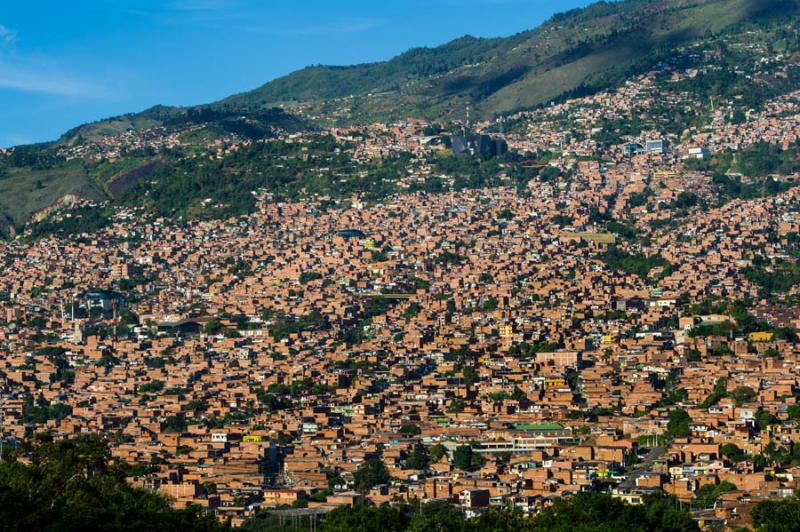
point(47, 79)
point(7, 35)
point(23, 71)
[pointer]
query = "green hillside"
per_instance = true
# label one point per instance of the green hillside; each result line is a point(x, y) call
point(578, 51)
point(575, 53)
point(252, 123)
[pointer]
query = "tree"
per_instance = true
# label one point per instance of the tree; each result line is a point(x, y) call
point(635, 264)
point(743, 394)
point(502, 520)
point(410, 429)
point(151, 387)
point(362, 518)
point(708, 494)
point(212, 326)
point(456, 406)
point(437, 452)
point(71, 485)
point(519, 395)
point(307, 277)
point(732, 452)
point(462, 457)
point(418, 459)
point(465, 458)
point(678, 425)
point(372, 473)
point(720, 391)
point(470, 376)
point(174, 424)
point(776, 516)
point(765, 419)
point(588, 511)
point(438, 516)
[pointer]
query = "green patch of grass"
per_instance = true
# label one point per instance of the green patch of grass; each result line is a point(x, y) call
point(25, 191)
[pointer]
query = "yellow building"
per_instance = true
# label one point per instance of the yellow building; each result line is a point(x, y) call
point(761, 336)
point(609, 339)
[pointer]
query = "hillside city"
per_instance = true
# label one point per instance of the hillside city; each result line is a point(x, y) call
point(601, 294)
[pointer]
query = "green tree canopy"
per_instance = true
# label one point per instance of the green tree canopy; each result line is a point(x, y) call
point(599, 512)
point(362, 518)
point(465, 458)
point(708, 494)
point(419, 458)
point(585, 512)
point(70, 485)
point(743, 394)
point(776, 516)
point(410, 429)
point(437, 452)
point(678, 424)
point(372, 473)
point(732, 452)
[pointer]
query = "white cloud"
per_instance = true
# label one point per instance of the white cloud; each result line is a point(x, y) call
point(35, 73)
point(7, 36)
point(47, 79)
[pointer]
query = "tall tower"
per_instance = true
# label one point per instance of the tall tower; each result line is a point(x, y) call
point(77, 334)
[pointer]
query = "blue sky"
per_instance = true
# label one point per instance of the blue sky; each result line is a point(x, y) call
point(64, 63)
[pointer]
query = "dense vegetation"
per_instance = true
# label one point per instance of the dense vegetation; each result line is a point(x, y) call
point(80, 220)
point(757, 163)
point(71, 485)
point(634, 263)
point(587, 512)
point(225, 187)
point(775, 278)
point(776, 516)
point(575, 53)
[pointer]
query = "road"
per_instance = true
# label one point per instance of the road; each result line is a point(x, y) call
point(642, 467)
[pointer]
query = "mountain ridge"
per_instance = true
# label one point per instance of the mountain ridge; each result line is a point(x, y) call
point(575, 52)
point(581, 50)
